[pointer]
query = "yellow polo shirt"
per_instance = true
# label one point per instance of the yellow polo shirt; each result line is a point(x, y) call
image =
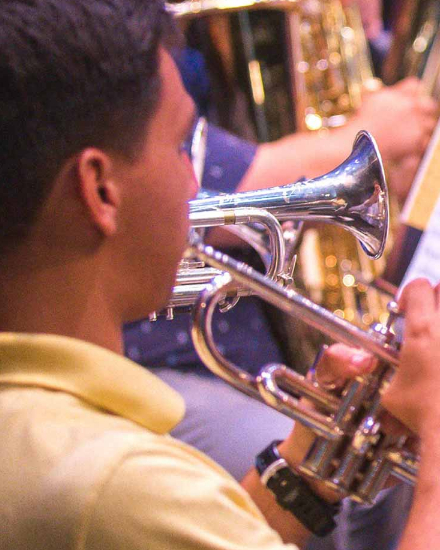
point(86, 462)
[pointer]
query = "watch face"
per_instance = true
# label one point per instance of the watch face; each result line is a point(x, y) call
point(267, 457)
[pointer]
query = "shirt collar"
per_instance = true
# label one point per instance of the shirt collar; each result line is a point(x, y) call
point(94, 374)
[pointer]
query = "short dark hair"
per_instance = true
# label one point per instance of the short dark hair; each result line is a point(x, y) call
point(73, 74)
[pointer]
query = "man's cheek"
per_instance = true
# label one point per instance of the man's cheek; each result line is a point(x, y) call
point(193, 184)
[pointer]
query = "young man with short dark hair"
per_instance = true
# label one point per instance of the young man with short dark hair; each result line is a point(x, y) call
point(94, 186)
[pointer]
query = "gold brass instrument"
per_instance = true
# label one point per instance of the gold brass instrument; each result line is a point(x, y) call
point(331, 268)
point(196, 8)
point(415, 50)
point(352, 196)
point(331, 64)
point(253, 99)
point(350, 453)
point(323, 69)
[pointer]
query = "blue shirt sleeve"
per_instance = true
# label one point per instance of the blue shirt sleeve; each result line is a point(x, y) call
point(243, 335)
point(227, 160)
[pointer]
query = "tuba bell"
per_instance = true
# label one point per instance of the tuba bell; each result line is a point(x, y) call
point(294, 64)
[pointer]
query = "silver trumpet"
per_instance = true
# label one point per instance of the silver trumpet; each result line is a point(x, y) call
point(350, 453)
point(353, 195)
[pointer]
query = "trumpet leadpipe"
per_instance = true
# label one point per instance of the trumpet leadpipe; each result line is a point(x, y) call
point(350, 454)
point(293, 303)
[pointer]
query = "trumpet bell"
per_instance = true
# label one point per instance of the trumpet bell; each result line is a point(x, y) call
point(354, 196)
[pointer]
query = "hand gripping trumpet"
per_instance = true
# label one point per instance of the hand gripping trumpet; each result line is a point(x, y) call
point(350, 453)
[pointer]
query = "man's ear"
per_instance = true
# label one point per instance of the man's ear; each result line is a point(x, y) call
point(98, 188)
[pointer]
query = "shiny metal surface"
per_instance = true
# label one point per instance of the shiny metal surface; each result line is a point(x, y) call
point(200, 8)
point(350, 454)
point(415, 49)
point(353, 196)
point(282, 66)
point(326, 57)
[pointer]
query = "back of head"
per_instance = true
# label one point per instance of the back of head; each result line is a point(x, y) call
point(73, 74)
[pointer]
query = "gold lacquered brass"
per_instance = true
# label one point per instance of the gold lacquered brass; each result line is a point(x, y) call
point(202, 8)
point(415, 49)
point(326, 57)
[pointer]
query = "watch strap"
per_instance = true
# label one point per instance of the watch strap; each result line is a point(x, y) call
point(293, 493)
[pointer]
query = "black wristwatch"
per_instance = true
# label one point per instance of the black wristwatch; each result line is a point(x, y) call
point(294, 494)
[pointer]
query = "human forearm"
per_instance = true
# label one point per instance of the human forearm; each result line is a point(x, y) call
point(337, 364)
point(282, 521)
point(311, 502)
point(384, 113)
point(297, 155)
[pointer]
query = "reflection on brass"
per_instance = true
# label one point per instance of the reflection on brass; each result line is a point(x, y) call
point(332, 60)
point(359, 183)
point(415, 49)
point(308, 58)
point(256, 82)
